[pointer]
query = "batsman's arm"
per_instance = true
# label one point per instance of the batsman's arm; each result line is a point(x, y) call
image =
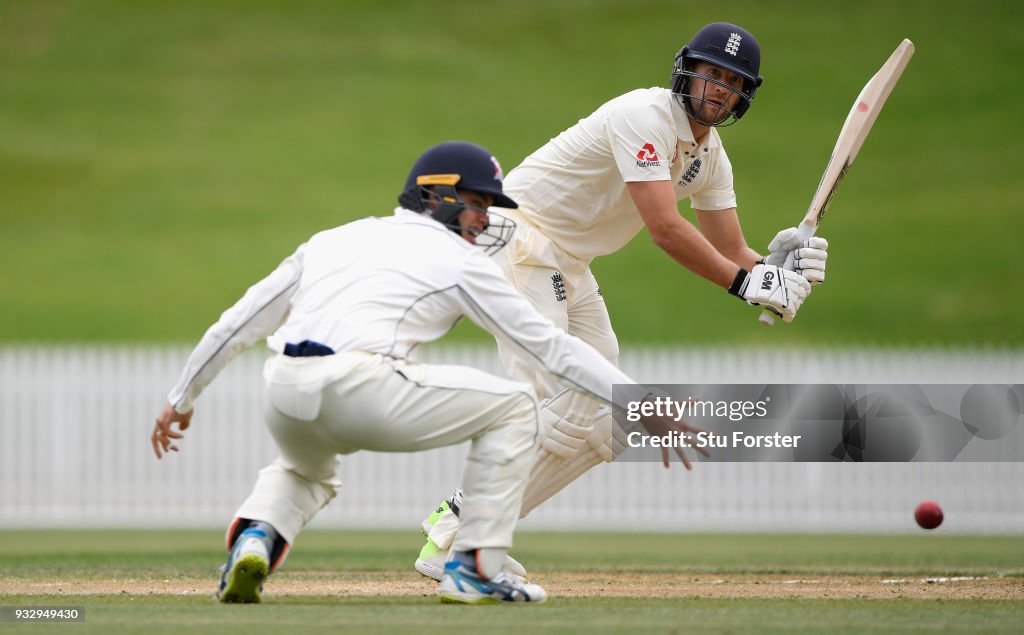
point(656, 202)
point(722, 228)
point(761, 285)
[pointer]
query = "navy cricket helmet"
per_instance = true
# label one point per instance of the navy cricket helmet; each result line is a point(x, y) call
point(437, 175)
point(728, 46)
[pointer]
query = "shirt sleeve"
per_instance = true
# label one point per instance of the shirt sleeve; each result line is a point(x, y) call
point(491, 302)
point(641, 144)
point(718, 192)
point(262, 309)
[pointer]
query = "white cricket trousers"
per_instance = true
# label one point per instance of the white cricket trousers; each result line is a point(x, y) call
point(563, 289)
point(319, 407)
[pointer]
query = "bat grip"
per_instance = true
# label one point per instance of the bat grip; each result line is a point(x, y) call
point(807, 230)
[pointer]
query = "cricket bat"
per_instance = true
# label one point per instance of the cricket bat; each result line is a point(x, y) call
point(858, 124)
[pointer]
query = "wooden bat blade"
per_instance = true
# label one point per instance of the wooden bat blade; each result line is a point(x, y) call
point(855, 130)
point(851, 137)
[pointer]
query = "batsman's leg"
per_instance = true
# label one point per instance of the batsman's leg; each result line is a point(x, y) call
point(543, 286)
point(572, 444)
point(589, 320)
point(439, 529)
point(605, 442)
point(565, 424)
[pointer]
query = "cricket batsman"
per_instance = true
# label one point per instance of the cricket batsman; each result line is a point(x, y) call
point(587, 193)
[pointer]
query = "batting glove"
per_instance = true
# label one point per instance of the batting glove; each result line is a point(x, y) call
point(772, 287)
point(805, 257)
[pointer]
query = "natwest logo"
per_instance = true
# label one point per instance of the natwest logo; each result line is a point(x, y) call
point(647, 153)
point(647, 157)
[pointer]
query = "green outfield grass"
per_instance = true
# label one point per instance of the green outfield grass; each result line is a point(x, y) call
point(132, 559)
point(387, 616)
point(44, 554)
point(156, 158)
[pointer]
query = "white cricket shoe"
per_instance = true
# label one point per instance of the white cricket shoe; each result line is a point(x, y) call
point(462, 584)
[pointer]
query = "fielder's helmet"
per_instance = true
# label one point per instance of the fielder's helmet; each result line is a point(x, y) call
point(726, 45)
point(444, 169)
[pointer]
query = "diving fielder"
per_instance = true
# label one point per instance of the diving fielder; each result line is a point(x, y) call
point(588, 192)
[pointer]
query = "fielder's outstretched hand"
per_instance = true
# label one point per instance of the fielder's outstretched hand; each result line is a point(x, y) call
point(163, 432)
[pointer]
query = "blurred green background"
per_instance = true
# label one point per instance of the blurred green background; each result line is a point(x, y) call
point(156, 158)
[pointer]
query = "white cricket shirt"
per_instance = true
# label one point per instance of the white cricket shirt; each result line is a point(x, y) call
point(574, 187)
point(386, 285)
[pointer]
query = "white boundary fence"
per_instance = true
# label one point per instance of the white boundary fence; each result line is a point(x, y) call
point(75, 424)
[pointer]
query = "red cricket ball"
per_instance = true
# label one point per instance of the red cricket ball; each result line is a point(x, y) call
point(928, 515)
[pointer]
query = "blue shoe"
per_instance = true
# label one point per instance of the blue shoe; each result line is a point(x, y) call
point(242, 577)
point(462, 584)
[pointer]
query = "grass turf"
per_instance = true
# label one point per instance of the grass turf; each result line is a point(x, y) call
point(95, 553)
point(156, 158)
point(582, 615)
point(138, 556)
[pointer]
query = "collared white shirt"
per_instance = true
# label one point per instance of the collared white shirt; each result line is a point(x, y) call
point(386, 285)
point(574, 187)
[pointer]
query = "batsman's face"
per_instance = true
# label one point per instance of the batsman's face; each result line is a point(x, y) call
point(473, 219)
point(715, 92)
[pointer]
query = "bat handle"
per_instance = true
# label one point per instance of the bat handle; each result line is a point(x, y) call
point(807, 229)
